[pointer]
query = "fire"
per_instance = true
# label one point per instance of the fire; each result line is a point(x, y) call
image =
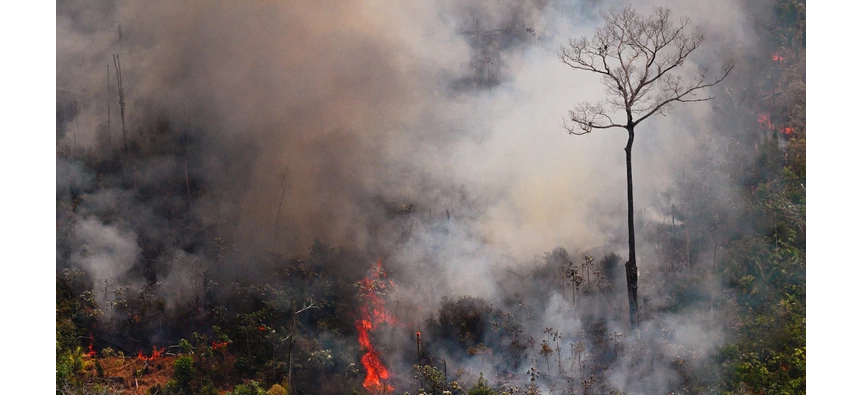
point(156, 353)
point(218, 345)
point(91, 352)
point(373, 314)
point(777, 58)
point(764, 121)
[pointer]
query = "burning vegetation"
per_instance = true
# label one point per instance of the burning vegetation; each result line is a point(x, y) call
point(223, 221)
point(372, 315)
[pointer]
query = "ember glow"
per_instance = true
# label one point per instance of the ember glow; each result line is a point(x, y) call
point(156, 353)
point(777, 58)
point(91, 352)
point(373, 313)
point(218, 345)
point(764, 121)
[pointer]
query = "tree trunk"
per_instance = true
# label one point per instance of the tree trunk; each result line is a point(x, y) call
point(631, 265)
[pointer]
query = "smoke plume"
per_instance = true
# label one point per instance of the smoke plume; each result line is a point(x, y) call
point(427, 134)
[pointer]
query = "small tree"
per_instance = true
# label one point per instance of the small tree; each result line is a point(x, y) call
point(431, 379)
point(640, 59)
point(183, 374)
point(481, 387)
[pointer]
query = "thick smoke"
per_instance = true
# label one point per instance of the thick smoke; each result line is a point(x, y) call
point(425, 133)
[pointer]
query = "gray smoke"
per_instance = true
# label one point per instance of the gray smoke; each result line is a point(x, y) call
point(428, 133)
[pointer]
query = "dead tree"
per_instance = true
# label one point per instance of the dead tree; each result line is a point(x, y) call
point(640, 60)
point(284, 184)
point(108, 102)
point(122, 99)
point(309, 303)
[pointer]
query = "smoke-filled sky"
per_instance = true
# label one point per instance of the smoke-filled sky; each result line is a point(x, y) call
point(354, 101)
point(359, 109)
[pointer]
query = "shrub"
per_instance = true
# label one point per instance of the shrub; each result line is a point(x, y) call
point(481, 387)
point(183, 372)
point(185, 347)
point(276, 390)
point(251, 388)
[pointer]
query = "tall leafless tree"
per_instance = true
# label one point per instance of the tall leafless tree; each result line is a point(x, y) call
point(108, 102)
point(640, 60)
point(284, 184)
point(122, 99)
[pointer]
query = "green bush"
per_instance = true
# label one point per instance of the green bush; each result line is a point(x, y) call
point(185, 347)
point(481, 387)
point(183, 372)
point(208, 389)
point(251, 388)
point(431, 378)
point(276, 389)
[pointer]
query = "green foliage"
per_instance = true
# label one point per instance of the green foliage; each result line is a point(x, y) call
point(172, 388)
point(250, 388)
point(431, 379)
point(481, 387)
point(208, 389)
point(108, 352)
point(768, 275)
point(185, 347)
point(276, 389)
point(183, 372)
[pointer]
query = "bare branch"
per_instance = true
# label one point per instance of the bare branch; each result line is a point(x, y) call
point(639, 58)
point(686, 95)
point(309, 304)
point(587, 117)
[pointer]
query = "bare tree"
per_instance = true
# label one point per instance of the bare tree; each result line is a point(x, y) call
point(108, 102)
point(639, 58)
point(122, 97)
point(309, 303)
point(284, 183)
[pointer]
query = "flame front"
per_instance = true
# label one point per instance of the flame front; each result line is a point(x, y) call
point(373, 313)
point(156, 353)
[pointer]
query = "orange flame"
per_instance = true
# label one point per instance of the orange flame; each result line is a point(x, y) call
point(92, 352)
point(777, 58)
point(373, 313)
point(218, 345)
point(156, 353)
point(764, 121)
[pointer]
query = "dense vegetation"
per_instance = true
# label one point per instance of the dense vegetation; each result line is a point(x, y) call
point(276, 324)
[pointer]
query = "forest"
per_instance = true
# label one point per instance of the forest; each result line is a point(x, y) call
point(439, 197)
